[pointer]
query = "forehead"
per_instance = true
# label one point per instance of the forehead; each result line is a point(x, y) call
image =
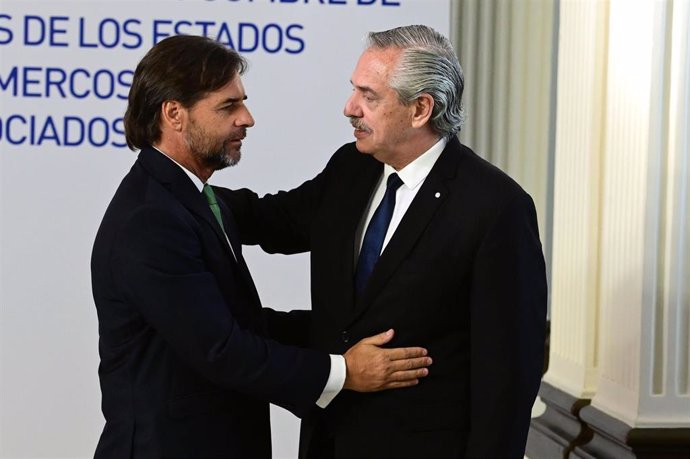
point(233, 89)
point(375, 66)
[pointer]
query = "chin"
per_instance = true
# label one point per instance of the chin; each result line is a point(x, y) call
point(232, 157)
point(362, 147)
point(221, 161)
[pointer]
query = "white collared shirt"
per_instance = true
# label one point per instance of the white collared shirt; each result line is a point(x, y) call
point(412, 176)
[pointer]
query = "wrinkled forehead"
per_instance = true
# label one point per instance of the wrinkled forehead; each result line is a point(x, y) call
point(375, 66)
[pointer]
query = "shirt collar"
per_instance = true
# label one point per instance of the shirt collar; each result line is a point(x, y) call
point(414, 173)
point(195, 180)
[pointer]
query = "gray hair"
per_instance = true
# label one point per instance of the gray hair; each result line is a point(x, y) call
point(428, 65)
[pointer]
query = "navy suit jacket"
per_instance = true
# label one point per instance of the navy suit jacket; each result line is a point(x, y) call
point(463, 276)
point(186, 367)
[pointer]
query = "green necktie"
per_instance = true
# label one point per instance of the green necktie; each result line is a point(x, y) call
point(213, 204)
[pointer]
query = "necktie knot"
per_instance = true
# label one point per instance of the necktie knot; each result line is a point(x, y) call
point(210, 195)
point(394, 182)
point(213, 204)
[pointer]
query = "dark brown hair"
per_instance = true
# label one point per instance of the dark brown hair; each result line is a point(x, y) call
point(184, 68)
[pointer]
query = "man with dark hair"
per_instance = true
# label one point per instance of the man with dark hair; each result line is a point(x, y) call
point(411, 230)
point(187, 364)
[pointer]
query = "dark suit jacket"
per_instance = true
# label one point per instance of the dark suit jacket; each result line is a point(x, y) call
point(463, 276)
point(185, 371)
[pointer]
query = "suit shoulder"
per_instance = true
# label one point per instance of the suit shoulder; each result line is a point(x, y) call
point(481, 189)
point(485, 177)
point(139, 197)
point(138, 188)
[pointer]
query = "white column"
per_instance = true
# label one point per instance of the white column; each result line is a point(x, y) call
point(645, 236)
point(577, 197)
point(620, 298)
point(620, 320)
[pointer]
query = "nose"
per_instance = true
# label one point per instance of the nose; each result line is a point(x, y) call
point(352, 107)
point(245, 118)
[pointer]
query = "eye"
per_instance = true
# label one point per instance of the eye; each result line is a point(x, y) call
point(227, 108)
point(369, 97)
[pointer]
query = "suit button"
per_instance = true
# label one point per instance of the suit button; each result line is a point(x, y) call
point(346, 337)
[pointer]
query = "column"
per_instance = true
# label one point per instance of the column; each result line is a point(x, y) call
point(641, 407)
point(571, 379)
point(620, 334)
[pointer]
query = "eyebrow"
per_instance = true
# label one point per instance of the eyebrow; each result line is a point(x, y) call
point(231, 100)
point(364, 89)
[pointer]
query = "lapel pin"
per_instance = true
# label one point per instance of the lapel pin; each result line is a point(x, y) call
point(437, 195)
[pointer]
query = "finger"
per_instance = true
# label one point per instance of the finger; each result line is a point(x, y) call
point(402, 353)
point(408, 375)
point(380, 339)
point(409, 364)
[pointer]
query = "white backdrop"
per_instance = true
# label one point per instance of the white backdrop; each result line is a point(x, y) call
point(65, 68)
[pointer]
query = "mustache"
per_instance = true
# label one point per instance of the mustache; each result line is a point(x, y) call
point(241, 134)
point(357, 123)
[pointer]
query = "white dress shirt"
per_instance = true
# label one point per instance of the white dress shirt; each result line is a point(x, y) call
point(336, 376)
point(412, 176)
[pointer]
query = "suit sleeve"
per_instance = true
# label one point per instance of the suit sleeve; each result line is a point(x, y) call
point(288, 327)
point(508, 316)
point(281, 222)
point(159, 267)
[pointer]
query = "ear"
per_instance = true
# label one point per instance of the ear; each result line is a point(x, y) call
point(173, 115)
point(423, 106)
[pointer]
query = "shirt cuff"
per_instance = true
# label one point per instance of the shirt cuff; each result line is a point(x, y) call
point(336, 381)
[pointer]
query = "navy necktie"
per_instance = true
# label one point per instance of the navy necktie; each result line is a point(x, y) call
point(376, 233)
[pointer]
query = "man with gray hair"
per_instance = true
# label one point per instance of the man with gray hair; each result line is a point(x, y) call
point(189, 358)
point(409, 229)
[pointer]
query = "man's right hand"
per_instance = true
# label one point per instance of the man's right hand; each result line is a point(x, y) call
point(371, 368)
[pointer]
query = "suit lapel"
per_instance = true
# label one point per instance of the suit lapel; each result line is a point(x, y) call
point(178, 183)
point(233, 235)
point(430, 197)
point(353, 210)
point(337, 245)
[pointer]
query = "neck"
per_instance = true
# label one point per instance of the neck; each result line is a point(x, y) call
point(181, 154)
point(413, 150)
